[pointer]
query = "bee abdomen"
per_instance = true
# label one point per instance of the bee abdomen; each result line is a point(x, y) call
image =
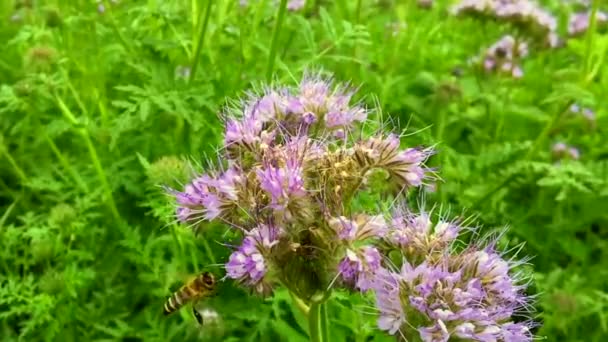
point(173, 304)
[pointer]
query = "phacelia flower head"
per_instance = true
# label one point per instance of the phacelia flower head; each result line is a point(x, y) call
point(296, 166)
point(473, 294)
point(293, 162)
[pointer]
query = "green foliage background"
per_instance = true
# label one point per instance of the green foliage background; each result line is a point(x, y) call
point(94, 118)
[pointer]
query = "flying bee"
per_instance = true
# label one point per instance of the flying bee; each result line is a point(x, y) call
point(202, 286)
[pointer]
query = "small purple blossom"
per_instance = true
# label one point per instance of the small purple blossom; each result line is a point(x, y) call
point(248, 264)
point(359, 267)
point(282, 183)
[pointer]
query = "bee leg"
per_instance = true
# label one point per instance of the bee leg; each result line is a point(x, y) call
point(196, 314)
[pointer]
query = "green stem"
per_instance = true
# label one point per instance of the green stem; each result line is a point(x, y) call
point(590, 35)
point(66, 165)
point(209, 251)
point(93, 154)
point(200, 40)
point(275, 39)
point(14, 164)
point(317, 323)
point(115, 28)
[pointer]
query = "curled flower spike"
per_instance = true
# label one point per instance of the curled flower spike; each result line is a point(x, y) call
point(404, 166)
point(361, 228)
point(208, 197)
point(416, 233)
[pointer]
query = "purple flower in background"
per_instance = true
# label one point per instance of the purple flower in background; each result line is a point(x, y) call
point(560, 151)
point(296, 5)
point(292, 5)
point(585, 112)
point(526, 14)
point(579, 22)
point(182, 71)
point(504, 55)
point(425, 3)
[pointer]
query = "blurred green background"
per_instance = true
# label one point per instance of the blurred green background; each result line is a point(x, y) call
point(102, 102)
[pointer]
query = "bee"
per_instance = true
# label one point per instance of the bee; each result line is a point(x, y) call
point(202, 286)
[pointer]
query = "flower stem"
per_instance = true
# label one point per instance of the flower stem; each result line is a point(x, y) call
point(317, 323)
point(275, 39)
point(590, 36)
point(200, 39)
point(93, 154)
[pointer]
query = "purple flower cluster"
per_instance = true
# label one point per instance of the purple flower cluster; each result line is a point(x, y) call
point(441, 293)
point(291, 161)
point(295, 162)
point(504, 56)
point(579, 22)
point(523, 13)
